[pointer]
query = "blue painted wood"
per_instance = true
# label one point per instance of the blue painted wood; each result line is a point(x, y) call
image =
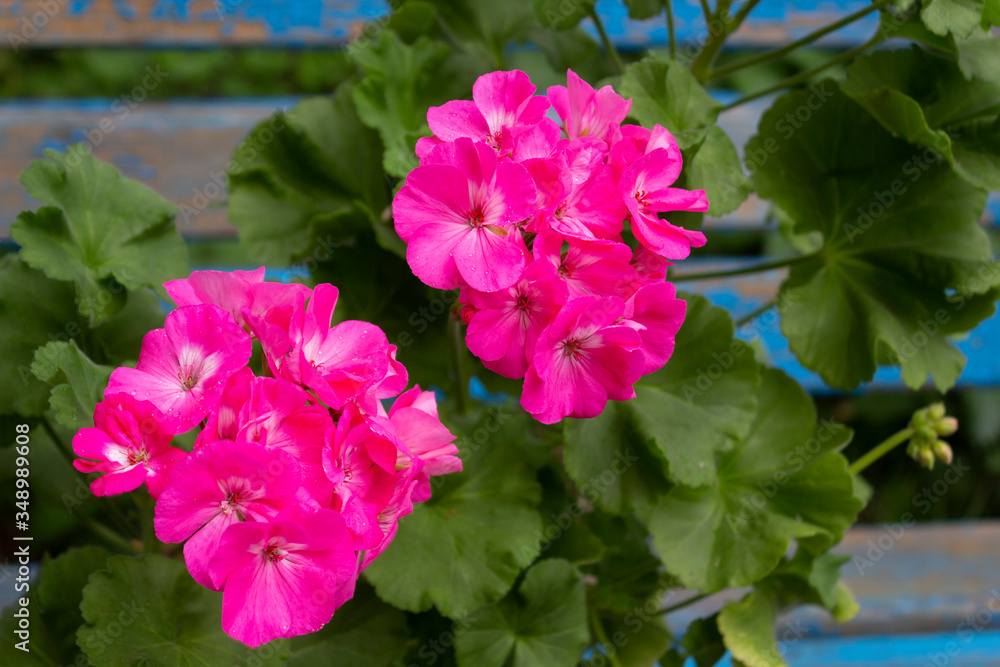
point(310, 22)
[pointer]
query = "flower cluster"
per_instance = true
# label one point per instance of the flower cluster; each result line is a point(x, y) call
point(297, 478)
point(526, 217)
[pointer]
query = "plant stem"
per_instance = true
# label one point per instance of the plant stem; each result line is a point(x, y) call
point(56, 440)
point(670, 30)
point(714, 41)
point(880, 450)
point(685, 603)
point(111, 536)
point(145, 504)
point(765, 266)
point(788, 48)
point(457, 353)
point(802, 77)
point(743, 12)
point(757, 312)
point(706, 11)
point(602, 636)
point(616, 61)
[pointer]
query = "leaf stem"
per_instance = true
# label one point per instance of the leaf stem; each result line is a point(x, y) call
point(802, 77)
point(106, 533)
point(743, 12)
point(616, 60)
point(764, 266)
point(457, 353)
point(684, 603)
point(602, 636)
point(706, 11)
point(713, 42)
point(150, 544)
point(670, 30)
point(757, 312)
point(880, 450)
point(788, 48)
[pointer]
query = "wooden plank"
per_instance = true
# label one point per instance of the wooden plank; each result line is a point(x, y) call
point(160, 23)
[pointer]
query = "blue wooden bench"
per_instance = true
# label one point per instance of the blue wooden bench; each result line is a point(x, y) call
point(925, 583)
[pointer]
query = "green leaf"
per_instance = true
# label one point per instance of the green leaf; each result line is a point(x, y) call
point(461, 565)
point(150, 611)
point(565, 49)
point(979, 56)
point(956, 17)
point(401, 82)
point(665, 92)
point(365, 632)
point(560, 14)
point(34, 310)
point(543, 624)
point(486, 29)
point(628, 575)
point(703, 641)
point(808, 578)
point(904, 263)
point(641, 10)
point(54, 610)
point(747, 627)
point(78, 383)
point(703, 401)
point(784, 481)
point(635, 642)
point(927, 101)
point(118, 339)
point(991, 14)
point(715, 168)
point(293, 192)
point(97, 228)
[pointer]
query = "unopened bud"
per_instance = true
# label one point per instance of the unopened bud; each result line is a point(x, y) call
point(925, 457)
point(946, 426)
point(925, 433)
point(936, 411)
point(942, 450)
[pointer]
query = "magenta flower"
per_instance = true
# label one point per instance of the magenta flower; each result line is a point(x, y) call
point(581, 360)
point(183, 368)
point(459, 215)
point(233, 291)
point(504, 106)
point(223, 422)
point(285, 577)
point(589, 268)
point(130, 443)
point(656, 314)
point(415, 417)
point(507, 323)
point(586, 113)
point(216, 486)
point(645, 187)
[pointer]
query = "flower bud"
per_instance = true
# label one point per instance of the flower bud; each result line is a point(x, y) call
point(925, 457)
point(936, 411)
point(942, 450)
point(946, 426)
point(925, 434)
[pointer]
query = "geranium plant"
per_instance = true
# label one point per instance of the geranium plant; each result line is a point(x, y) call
point(480, 426)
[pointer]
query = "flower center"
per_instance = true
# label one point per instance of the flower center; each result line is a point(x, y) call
point(642, 198)
point(140, 456)
point(566, 270)
point(523, 302)
point(187, 377)
point(273, 553)
point(231, 503)
point(495, 139)
point(573, 348)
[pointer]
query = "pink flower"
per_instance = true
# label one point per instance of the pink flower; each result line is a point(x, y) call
point(507, 323)
point(233, 291)
point(504, 106)
point(223, 422)
point(130, 443)
point(581, 360)
point(459, 215)
point(645, 187)
point(586, 113)
point(218, 485)
point(415, 418)
point(540, 142)
point(285, 577)
point(589, 268)
point(183, 368)
point(657, 314)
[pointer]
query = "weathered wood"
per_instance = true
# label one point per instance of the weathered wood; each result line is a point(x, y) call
point(158, 23)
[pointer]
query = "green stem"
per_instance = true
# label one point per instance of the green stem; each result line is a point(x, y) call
point(670, 30)
point(685, 603)
point(109, 535)
point(616, 60)
point(602, 636)
point(881, 450)
point(755, 314)
point(802, 77)
point(150, 544)
point(713, 42)
point(56, 440)
point(743, 12)
point(764, 266)
point(706, 11)
point(457, 354)
point(788, 48)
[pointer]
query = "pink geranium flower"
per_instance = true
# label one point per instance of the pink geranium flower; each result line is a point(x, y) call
point(503, 106)
point(646, 188)
point(589, 268)
point(233, 291)
point(581, 360)
point(415, 417)
point(183, 368)
point(223, 422)
point(459, 215)
point(586, 112)
point(216, 486)
point(130, 443)
point(285, 577)
point(656, 314)
point(507, 323)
